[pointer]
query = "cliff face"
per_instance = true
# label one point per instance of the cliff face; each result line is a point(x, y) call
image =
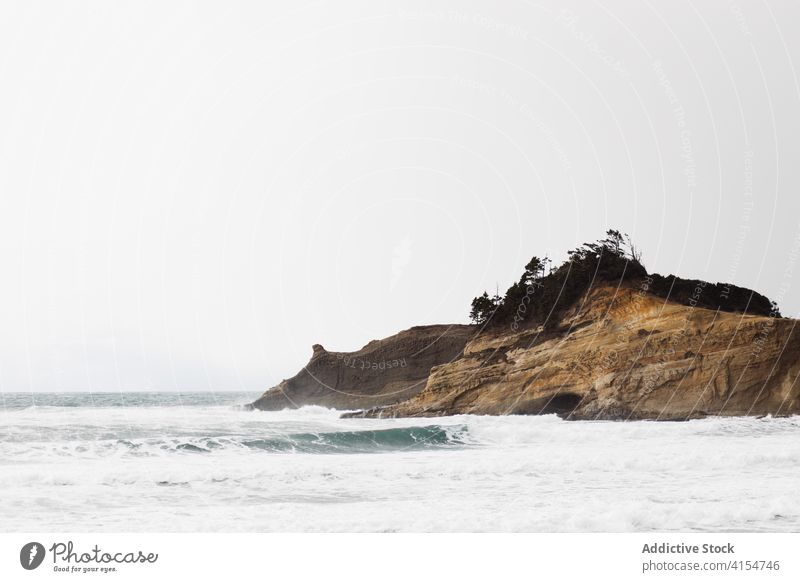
point(623, 354)
point(618, 353)
point(381, 373)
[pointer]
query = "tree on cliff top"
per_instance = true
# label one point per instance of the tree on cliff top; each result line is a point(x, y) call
point(539, 299)
point(483, 308)
point(535, 294)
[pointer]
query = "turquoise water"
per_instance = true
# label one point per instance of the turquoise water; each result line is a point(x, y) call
point(83, 424)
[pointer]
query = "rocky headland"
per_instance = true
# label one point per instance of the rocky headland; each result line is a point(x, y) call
point(383, 372)
point(596, 338)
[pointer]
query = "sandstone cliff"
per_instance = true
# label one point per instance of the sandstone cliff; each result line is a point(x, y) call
point(622, 353)
point(595, 338)
point(618, 353)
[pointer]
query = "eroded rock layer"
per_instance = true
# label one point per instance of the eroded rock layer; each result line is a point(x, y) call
point(623, 354)
point(382, 372)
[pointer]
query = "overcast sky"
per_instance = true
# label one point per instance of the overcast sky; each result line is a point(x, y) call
point(192, 194)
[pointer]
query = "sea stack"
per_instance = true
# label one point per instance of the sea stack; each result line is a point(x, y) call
point(596, 338)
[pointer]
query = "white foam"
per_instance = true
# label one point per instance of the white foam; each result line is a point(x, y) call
point(79, 469)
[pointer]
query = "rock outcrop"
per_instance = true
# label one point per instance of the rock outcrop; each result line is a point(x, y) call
point(620, 352)
point(381, 373)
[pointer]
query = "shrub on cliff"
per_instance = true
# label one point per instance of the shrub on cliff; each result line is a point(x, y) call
point(724, 297)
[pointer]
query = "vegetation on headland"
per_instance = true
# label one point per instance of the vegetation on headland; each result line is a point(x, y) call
point(543, 291)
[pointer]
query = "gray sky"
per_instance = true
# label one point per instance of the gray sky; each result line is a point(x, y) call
point(195, 193)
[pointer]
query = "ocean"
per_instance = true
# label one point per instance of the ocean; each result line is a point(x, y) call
point(170, 462)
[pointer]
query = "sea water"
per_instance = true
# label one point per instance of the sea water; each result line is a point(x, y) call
point(169, 462)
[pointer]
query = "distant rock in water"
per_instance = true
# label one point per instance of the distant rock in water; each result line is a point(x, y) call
point(595, 338)
point(383, 372)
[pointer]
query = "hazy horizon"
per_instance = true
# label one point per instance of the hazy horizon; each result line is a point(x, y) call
point(195, 194)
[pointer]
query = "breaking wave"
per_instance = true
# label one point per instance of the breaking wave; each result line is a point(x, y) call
point(199, 463)
point(335, 442)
